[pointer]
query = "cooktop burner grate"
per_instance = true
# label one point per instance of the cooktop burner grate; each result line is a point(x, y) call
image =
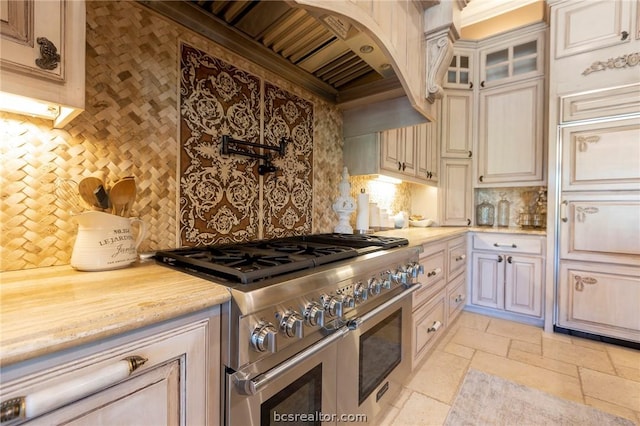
point(259, 260)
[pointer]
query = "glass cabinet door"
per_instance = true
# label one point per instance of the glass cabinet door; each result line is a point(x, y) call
point(518, 60)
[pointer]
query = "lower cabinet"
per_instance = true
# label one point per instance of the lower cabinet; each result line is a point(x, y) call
point(507, 273)
point(162, 375)
point(442, 296)
point(600, 299)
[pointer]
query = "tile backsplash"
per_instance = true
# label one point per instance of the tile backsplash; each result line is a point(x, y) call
point(130, 127)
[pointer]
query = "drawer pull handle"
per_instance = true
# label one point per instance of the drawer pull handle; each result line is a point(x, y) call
point(434, 272)
point(563, 213)
point(459, 298)
point(435, 327)
point(45, 400)
point(461, 257)
point(505, 245)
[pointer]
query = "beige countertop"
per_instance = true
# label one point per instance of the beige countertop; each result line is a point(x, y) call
point(45, 310)
point(426, 235)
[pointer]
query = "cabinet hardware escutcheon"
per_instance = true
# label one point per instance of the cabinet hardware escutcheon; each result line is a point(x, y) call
point(49, 56)
point(581, 281)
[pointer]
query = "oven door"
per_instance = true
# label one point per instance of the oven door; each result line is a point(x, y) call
point(374, 359)
point(301, 390)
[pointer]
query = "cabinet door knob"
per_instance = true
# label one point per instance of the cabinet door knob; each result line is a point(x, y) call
point(404, 166)
point(470, 154)
point(509, 259)
point(399, 165)
point(481, 178)
point(482, 83)
point(468, 222)
point(625, 35)
point(470, 85)
point(500, 259)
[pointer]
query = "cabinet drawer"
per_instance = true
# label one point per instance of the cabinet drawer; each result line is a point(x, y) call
point(603, 228)
point(602, 103)
point(601, 156)
point(457, 256)
point(601, 299)
point(507, 243)
point(456, 296)
point(432, 260)
point(428, 323)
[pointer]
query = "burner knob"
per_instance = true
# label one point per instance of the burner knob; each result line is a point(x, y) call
point(263, 337)
point(314, 314)
point(332, 306)
point(292, 324)
point(360, 292)
point(415, 269)
point(348, 301)
point(374, 286)
point(399, 276)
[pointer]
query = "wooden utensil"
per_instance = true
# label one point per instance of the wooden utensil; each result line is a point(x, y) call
point(87, 188)
point(122, 196)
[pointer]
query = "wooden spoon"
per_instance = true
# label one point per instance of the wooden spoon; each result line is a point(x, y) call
point(87, 187)
point(122, 196)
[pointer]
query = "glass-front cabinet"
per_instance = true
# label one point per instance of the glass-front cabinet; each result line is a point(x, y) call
point(461, 71)
point(512, 60)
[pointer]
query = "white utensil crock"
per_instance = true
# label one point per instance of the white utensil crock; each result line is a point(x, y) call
point(106, 241)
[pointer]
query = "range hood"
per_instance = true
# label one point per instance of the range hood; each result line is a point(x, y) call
point(325, 54)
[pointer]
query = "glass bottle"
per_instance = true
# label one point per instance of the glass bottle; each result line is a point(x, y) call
point(503, 211)
point(485, 213)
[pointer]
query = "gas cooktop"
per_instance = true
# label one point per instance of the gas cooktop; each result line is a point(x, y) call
point(258, 260)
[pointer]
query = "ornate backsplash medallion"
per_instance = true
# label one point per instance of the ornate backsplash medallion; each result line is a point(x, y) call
point(220, 195)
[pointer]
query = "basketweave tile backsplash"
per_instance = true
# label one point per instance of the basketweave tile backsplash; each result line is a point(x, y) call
point(131, 126)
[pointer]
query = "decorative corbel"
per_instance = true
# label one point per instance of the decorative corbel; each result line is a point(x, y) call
point(439, 54)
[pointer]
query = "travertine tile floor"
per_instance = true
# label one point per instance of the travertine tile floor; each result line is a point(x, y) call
point(601, 375)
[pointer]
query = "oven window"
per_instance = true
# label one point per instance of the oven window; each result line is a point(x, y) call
point(380, 353)
point(297, 404)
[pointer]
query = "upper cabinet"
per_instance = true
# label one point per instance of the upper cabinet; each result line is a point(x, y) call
point(408, 153)
point(511, 58)
point(583, 26)
point(461, 70)
point(510, 135)
point(43, 57)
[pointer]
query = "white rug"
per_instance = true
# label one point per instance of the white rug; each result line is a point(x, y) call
point(489, 400)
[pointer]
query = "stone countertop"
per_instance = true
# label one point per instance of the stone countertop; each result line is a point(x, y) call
point(45, 310)
point(418, 236)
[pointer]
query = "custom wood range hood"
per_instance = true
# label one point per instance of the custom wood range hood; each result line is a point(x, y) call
point(323, 53)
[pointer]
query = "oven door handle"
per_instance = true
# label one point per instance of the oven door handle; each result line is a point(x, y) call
point(246, 386)
point(357, 322)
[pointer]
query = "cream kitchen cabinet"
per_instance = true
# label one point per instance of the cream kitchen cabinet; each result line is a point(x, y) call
point(600, 227)
point(408, 153)
point(586, 25)
point(602, 155)
point(166, 374)
point(511, 135)
point(455, 198)
point(600, 299)
point(457, 124)
point(442, 296)
point(512, 56)
point(43, 56)
point(507, 273)
point(462, 68)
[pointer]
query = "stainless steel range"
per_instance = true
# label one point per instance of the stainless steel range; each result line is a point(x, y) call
point(318, 328)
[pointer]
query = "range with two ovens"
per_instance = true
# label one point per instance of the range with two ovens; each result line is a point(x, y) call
point(318, 329)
